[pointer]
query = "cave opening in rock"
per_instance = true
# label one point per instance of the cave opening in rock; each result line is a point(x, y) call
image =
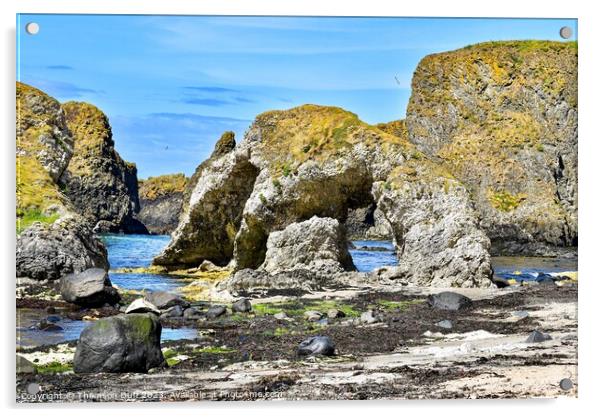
point(369, 238)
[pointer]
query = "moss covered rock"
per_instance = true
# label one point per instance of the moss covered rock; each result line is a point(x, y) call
point(123, 343)
point(53, 239)
point(44, 149)
point(161, 202)
point(102, 186)
point(502, 117)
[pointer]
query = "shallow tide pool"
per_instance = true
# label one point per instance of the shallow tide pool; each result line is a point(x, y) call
point(28, 335)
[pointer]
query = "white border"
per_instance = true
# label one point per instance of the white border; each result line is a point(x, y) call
point(590, 179)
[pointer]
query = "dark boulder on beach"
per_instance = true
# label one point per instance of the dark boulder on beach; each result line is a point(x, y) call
point(448, 300)
point(123, 343)
point(242, 306)
point(214, 312)
point(537, 337)
point(316, 345)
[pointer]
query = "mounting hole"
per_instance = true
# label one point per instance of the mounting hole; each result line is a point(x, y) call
point(566, 32)
point(566, 384)
point(32, 28)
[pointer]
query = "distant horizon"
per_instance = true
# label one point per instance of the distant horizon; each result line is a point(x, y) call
point(171, 85)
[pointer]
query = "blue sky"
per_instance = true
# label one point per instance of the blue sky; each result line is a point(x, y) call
point(172, 84)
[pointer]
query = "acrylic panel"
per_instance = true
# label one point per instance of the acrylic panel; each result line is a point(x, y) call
point(299, 208)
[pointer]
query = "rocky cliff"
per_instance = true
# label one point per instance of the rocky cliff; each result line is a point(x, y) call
point(102, 186)
point(502, 117)
point(161, 202)
point(314, 161)
point(212, 209)
point(52, 238)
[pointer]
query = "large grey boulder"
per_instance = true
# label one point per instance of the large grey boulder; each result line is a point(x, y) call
point(24, 366)
point(89, 288)
point(242, 306)
point(49, 251)
point(164, 300)
point(252, 280)
point(123, 343)
point(318, 244)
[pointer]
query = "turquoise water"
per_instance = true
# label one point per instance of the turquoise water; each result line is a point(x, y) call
point(137, 251)
point(133, 251)
point(369, 255)
point(530, 268)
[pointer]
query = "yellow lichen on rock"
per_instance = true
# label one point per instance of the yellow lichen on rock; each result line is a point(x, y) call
point(312, 132)
point(156, 187)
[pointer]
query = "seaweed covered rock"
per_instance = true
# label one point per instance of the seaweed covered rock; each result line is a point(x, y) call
point(123, 343)
point(161, 202)
point(52, 239)
point(502, 117)
point(102, 186)
point(435, 227)
point(317, 244)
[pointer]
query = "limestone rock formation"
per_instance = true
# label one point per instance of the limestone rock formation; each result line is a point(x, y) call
point(102, 186)
point(293, 165)
point(435, 227)
point(502, 117)
point(213, 203)
point(317, 244)
point(123, 343)
point(367, 223)
point(52, 239)
point(161, 202)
